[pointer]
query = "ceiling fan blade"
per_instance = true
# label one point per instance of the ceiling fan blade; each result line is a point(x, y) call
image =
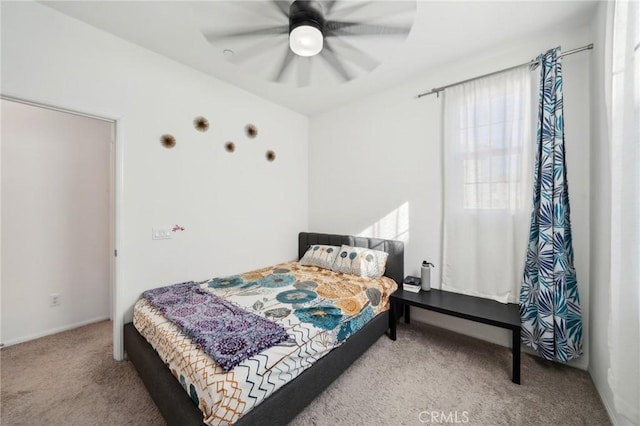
point(282, 6)
point(256, 50)
point(328, 6)
point(280, 29)
point(345, 11)
point(372, 9)
point(355, 55)
point(342, 28)
point(304, 71)
point(285, 64)
point(328, 55)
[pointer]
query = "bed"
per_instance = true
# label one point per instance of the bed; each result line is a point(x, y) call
point(287, 401)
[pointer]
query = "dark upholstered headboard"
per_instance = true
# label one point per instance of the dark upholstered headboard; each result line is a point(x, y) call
point(395, 261)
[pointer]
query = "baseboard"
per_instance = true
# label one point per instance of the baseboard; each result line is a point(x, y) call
point(479, 331)
point(53, 331)
point(495, 335)
point(608, 405)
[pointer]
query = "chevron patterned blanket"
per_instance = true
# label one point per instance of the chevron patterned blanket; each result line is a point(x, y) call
point(318, 308)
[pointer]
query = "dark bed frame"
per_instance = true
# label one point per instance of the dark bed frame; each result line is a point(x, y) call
point(288, 401)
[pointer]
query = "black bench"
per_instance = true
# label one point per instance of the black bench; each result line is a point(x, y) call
point(504, 315)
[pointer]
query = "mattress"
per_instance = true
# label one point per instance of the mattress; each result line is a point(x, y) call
point(319, 309)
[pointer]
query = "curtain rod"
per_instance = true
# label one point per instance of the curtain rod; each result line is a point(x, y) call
point(532, 62)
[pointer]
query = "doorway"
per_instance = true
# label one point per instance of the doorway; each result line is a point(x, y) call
point(58, 220)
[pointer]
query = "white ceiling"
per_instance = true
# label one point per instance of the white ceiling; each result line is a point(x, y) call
point(443, 31)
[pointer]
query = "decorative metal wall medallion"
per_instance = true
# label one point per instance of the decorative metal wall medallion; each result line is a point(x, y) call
point(251, 130)
point(201, 124)
point(168, 141)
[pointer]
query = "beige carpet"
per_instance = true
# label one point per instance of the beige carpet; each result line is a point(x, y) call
point(428, 374)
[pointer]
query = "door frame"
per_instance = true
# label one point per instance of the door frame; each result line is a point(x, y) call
point(115, 202)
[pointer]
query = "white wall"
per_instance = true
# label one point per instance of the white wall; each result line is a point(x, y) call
point(239, 211)
point(55, 218)
point(375, 165)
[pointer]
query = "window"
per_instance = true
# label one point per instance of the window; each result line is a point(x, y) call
point(492, 135)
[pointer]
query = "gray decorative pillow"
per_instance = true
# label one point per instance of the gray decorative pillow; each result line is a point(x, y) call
point(361, 261)
point(320, 256)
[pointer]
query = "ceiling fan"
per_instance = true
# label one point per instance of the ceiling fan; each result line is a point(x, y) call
point(313, 32)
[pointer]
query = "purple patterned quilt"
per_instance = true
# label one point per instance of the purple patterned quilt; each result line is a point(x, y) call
point(223, 330)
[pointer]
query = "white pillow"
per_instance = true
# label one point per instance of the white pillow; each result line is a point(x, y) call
point(361, 261)
point(320, 256)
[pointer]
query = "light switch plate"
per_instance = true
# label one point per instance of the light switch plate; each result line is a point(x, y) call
point(161, 234)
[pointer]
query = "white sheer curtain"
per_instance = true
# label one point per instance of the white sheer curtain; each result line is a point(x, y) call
point(624, 120)
point(487, 185)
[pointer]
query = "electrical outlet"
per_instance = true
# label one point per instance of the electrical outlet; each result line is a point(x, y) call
point(54, 299)
point(161, 234)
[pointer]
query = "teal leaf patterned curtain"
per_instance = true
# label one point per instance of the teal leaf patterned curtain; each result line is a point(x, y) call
point(549, 301)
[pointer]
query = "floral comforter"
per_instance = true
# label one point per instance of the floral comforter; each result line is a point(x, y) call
point(318, 308)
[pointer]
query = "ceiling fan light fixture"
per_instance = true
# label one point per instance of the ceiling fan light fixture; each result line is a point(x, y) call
point(306, 40)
